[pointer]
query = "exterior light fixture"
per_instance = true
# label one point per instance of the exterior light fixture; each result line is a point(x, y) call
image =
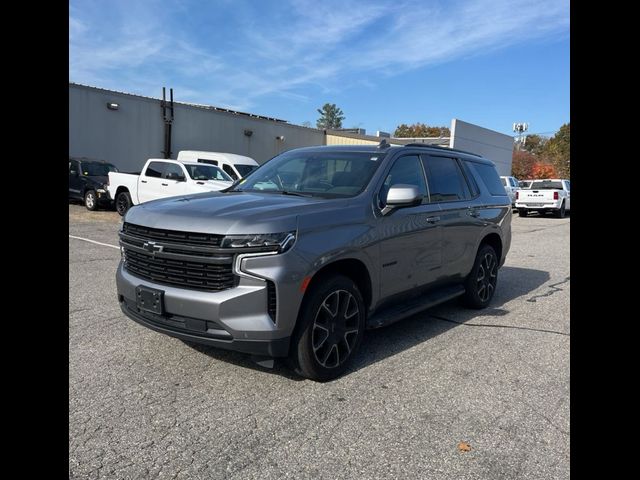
point(280, 137)
point(113, 106)
point(248, 133)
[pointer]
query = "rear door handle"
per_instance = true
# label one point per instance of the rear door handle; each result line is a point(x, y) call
point(473, 213)
point(433, 219)
point(143, 181)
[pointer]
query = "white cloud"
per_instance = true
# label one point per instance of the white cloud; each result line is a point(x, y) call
point(324, 45)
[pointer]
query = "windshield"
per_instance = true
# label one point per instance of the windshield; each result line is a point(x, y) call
point(207, 172)
point(317, 174)
point(546, 185)
point(97, 169)
point(245, 170)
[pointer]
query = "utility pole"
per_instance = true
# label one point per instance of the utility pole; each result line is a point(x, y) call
point(520, 129)
point(167, 116)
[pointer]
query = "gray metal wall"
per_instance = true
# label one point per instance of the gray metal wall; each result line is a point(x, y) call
point(127, 137)
point(495, 146)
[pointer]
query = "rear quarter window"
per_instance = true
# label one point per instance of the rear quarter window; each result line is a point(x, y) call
point(490, 178)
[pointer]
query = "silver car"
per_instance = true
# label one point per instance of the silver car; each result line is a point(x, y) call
point(318, 244)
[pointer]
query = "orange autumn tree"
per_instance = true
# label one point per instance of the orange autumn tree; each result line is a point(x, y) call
point(543, 170)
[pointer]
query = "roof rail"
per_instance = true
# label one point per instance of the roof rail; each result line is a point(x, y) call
point(441, 148)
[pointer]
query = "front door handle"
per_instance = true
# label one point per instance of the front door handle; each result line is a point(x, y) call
point(143, 181)
point(473, 213)
point(433, 219)
point(165, 184)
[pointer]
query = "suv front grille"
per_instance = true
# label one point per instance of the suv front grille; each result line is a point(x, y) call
point(183, 238)
point(179, 273)
point(180, 259)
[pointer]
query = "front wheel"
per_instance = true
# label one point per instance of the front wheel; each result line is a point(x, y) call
point(90, 200)
point(332, 322)
point(480, 284)
point(123, 203)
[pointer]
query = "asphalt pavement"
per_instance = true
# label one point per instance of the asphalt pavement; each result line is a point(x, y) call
point(145, 405)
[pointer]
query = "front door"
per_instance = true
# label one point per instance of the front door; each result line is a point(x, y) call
point(410, 251)
point(170, 187)
point(75, 179)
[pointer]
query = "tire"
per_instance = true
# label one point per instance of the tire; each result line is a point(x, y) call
point(522, 212)
point(91, 200)
point(330, 327)
point(123, 203)
point(480, 284)
point(560, 213)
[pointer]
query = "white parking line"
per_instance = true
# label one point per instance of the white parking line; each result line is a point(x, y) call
point(93, 241)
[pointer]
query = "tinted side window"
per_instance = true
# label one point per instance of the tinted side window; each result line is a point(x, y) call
point(568, 183)
point(471, 182)
point(172, 168)
point(155, 169)
point(490, 178)
point(446, 183)
point(229, 171)
point(513, 182)
point(406, 170)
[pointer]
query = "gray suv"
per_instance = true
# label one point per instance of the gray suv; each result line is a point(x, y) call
point(314, 247)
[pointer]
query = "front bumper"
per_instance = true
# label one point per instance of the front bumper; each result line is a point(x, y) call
point(234, 319)
point(104, 196)
point(189, 331)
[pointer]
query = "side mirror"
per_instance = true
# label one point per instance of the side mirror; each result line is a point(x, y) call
point(176, 177)
point(73, 173)
point(402, 195)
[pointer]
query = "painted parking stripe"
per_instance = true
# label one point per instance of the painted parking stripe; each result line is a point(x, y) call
point(93, 241)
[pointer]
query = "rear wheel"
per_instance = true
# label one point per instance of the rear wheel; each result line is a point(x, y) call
point(90, 200)
point(123, 202)
point(332, 321)
point(522, 212)
point(560, 213)
point(480, 284)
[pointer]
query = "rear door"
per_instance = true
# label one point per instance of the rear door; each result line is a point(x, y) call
point(410, 251)
point(150, 182)
point(453, 189)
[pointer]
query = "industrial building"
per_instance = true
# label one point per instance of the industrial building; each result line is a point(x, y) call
point(126, 130)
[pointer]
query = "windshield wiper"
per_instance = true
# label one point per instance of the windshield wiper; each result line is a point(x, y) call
point(297, 194)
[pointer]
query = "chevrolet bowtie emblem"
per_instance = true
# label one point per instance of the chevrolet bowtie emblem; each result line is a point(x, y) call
point(151, 247)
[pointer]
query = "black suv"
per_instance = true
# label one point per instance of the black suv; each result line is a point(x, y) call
point(88, 180)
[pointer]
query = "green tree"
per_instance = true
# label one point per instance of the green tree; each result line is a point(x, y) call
point(535, 144)
point(330, 116)
point(420, 130)
point(557, 151)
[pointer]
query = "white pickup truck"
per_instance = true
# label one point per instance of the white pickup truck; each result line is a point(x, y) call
point(542, 196)
point(162, 178)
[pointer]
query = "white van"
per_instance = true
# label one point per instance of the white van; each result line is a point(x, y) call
point(236, 166)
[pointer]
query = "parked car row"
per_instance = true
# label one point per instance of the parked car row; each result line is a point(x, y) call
point(100, 184)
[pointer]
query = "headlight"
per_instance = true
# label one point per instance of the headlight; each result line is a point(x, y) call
point(270, 241)
point(101, 190)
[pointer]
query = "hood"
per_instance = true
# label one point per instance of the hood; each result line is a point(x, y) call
point(101, 179)
point(230, 213)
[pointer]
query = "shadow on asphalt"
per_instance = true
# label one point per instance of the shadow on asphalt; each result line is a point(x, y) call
point(388, 341)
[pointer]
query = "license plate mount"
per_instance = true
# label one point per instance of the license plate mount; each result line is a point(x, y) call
point(150, 299)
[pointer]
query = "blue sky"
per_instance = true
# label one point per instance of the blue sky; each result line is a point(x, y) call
point(490, 62)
